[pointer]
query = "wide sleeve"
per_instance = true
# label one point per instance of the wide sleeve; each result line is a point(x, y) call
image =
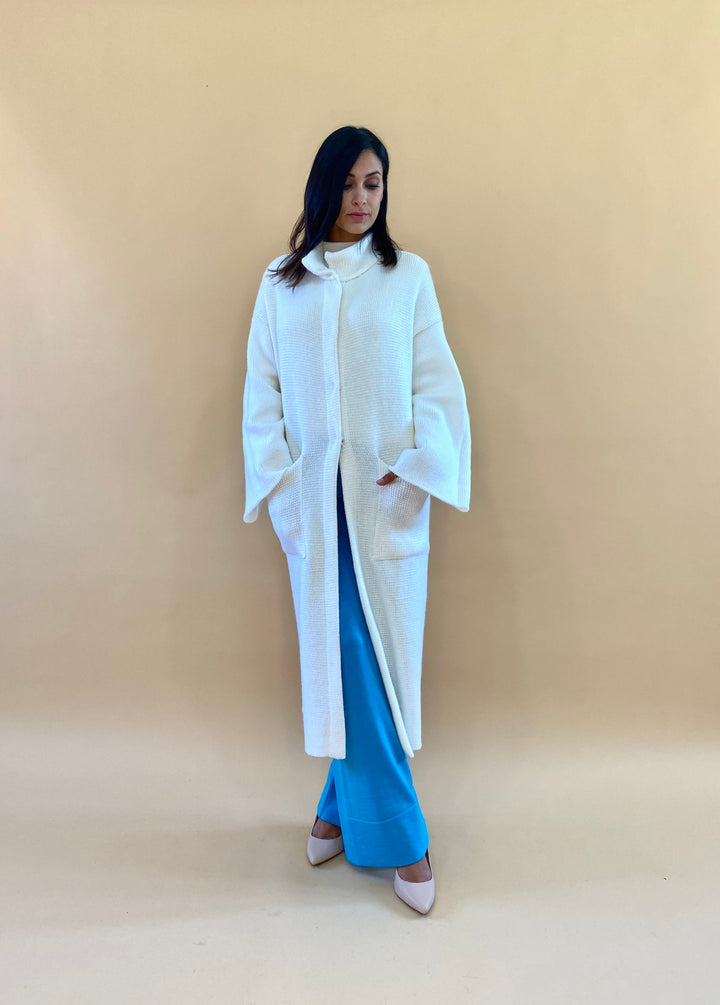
point(440, 460)
point(264, 445)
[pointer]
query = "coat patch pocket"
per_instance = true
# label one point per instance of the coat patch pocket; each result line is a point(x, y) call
point(402, 523)
point(285, 509)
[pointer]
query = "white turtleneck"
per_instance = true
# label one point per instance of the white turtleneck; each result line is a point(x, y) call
point(334, 246)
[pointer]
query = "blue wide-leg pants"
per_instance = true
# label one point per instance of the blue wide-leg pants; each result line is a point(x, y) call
point(369, 793)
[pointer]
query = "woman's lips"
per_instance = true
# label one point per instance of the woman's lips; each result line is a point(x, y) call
point(358, 216)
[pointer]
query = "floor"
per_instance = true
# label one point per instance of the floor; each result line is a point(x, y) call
point(167, 867)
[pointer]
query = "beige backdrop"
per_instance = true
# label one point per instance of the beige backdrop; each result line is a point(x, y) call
point(555, 162)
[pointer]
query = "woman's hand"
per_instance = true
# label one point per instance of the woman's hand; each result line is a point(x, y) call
point(386, 479)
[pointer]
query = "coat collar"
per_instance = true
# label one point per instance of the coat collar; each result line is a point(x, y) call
point(347, 263)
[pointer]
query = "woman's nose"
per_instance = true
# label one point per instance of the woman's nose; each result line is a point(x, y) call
point(358, 197)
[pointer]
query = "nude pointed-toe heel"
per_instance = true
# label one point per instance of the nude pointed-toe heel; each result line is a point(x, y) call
point(419, 896)
point(321, 849)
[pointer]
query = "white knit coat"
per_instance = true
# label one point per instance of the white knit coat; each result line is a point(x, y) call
point(352, 368)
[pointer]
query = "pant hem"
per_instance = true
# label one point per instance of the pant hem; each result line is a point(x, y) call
point(374, 844)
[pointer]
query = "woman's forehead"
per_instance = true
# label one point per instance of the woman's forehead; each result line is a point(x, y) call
point(368, 163)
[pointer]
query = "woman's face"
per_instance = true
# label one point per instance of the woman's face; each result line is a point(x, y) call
point(362, 196)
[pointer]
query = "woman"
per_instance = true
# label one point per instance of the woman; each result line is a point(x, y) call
point(354, 415)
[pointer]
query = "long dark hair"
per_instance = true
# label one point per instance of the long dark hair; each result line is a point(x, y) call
point(323, 200)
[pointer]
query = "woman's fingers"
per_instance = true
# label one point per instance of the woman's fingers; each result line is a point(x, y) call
point(386, 479)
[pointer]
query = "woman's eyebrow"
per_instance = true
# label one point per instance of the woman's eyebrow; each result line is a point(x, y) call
point(368, 175)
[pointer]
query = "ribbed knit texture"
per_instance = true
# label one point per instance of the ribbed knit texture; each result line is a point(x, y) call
point(353, 368)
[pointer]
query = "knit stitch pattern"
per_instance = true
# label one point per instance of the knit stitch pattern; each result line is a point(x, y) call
point(352, 369)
